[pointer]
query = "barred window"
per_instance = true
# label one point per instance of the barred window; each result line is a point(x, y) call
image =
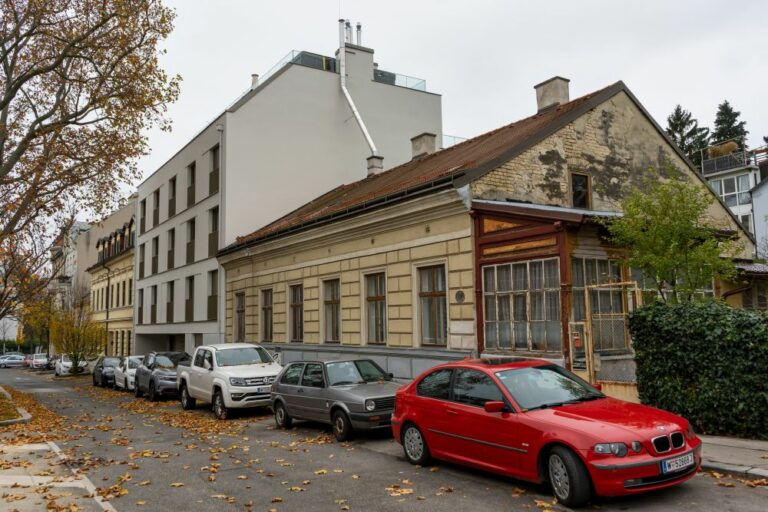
point(266, 315)
point(297, 312)
point(240, 316)
point(332, 310)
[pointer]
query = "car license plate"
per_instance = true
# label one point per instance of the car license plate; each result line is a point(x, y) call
point(264, 389)
point(677, 463)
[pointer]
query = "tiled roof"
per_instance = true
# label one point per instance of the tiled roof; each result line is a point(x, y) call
point(483, 152)
point(753, 268)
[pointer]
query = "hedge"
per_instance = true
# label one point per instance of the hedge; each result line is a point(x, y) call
point(707, 362)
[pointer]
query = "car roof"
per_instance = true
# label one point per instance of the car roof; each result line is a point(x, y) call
point(331, 360)
point(224, 346)
point(494, 364)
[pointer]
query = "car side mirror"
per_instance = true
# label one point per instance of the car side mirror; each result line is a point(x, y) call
point(390, 376)
point(495, 406)
point(598, 387)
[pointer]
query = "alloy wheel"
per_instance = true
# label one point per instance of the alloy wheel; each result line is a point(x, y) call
point(413, 443)
point(558, 475)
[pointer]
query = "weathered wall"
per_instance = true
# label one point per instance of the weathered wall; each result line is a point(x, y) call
point(614, 144)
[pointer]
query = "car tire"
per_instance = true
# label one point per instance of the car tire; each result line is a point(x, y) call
point(342, 427)
point(282, 419)
point(414, 445)
point(568, 477)
point(187, 402)
point(137, 390)
point(94, 380)
point(219, 409)
point(152, 392)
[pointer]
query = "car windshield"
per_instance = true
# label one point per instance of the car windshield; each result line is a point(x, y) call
point(65, 359)
point(169, 362)
point(133, 363)
point(242, 356)
point(354, 372)
point(39, 356)
point(538, 387)
point(111, 361)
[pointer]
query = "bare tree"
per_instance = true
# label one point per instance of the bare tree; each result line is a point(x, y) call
point(74, 332)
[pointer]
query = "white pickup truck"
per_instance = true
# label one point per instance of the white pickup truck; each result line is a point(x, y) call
point(228, 376)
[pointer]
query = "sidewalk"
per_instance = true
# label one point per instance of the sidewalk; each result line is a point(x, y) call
point(740, 456)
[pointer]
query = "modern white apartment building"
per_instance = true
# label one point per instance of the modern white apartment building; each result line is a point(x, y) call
point(300, 130)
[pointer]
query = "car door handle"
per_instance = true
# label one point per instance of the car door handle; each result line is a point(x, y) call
point(300, 390)
point(452, 412)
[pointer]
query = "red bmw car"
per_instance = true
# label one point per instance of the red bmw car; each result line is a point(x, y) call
point(535, 421)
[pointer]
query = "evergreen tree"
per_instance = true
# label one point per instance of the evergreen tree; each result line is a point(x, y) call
point(728, 126)
point(684, 130)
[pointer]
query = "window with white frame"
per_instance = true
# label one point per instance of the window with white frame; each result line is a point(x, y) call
point(733, 190)
point(433, 309)
point(332, 310)
point(607, 303)
point(376, 307)
point(522, 306)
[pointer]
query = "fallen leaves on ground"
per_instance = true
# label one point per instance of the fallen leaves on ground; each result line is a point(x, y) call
point(43, 426)
point(396, 490)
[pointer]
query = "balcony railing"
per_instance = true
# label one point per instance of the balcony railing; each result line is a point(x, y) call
point(411, 82)
point(727, 162)
point(451, 140)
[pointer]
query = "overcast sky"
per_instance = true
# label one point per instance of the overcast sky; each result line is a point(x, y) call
point(483, 56)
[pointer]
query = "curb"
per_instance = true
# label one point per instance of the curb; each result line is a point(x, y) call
point(733, 469)
point(24, 415)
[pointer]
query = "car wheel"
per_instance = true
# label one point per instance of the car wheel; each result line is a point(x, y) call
point(568, 477)
point(152, 393)
point(187, 402)
point(137, 390)
point(414, 445)
point(219, 409)
point(282, 420)
point(94, 380)
point(342, 428)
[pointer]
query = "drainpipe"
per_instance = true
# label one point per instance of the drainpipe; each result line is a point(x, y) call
point(343, 74)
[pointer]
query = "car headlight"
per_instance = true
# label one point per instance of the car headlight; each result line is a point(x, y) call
point(370, 405)
point(237, 381)
point(637, 446)
point(617, 449)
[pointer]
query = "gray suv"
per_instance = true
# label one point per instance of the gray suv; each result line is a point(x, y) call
point(349, 395)
point(156, 375)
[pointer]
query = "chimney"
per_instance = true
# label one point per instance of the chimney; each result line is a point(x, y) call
point(423, 144)
point(254, 80)
point(375, 164)
point(552, 92)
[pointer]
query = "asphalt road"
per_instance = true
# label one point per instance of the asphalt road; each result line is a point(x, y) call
point(171, 460)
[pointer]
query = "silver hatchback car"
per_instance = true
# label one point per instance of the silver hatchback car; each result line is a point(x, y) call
point(349, 395)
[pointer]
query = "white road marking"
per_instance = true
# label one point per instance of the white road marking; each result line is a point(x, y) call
point(87, 484)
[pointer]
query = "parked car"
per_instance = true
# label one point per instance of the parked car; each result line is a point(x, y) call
point(11, 361)
point(125, 372)
point(12, 353)
point(535, 421)
point(228, 376)
point(349, 395)
point(104, 371)
point(156, 375)
point(38, 361)
point(27, 359)
point(63, 365)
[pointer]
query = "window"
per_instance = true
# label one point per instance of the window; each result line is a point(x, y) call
point(746, 222)
point(153, 305)
point(521, 306)
point(432, 305)
point(606, 304)
point(189, 299)
point(156, 208)
point(142, 216)
point(191, 241)
point(332, 310)
point(755, 297)
point(170, 262)
point(213, 232)
point(141, 261)
point(580, 190)
point(435, 385)
point(169, 301)
point(155, 249)
point(213, 177)
point(733, 190)
point(376, 307)
point(141, 307)
point(130, 291)
point(172, 197)
point(296, 293)
point(472, 387)
point(292, 374)
point(313, 376)
point(266, 315)
point(213, 294)
point(191, 171)
point(240, 316)
point(123, 301)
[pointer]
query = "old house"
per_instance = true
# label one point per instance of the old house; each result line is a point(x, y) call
point(490, 246)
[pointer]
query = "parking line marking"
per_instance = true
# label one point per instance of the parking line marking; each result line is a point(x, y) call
point(87, 484)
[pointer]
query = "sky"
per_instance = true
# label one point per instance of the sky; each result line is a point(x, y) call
point(482, 56)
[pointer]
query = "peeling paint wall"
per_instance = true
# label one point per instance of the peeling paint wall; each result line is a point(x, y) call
point(614, 144)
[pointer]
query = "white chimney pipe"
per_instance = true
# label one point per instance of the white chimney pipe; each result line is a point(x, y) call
point(343, 81)
point(348, 31)
point(359, 34)
point(254, 80)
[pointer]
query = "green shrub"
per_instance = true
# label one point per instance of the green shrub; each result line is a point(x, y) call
point(707, 362)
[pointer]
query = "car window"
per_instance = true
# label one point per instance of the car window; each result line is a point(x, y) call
point(207, 359)
point(133, 363)
point(549, 385)
point(150, 359)
point(313, 375)
point(242, 356)
point(65, 359)
point(370, 370)
point(342, 373)
point(111, 361)
point(436, 384)
point(199, 355)
point(292, 374)
point(472, 387)
point(170, 361)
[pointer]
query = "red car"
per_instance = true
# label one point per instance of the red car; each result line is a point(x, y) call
point(535, 421)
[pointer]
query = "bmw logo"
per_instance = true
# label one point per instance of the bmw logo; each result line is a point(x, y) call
point(663, 429)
